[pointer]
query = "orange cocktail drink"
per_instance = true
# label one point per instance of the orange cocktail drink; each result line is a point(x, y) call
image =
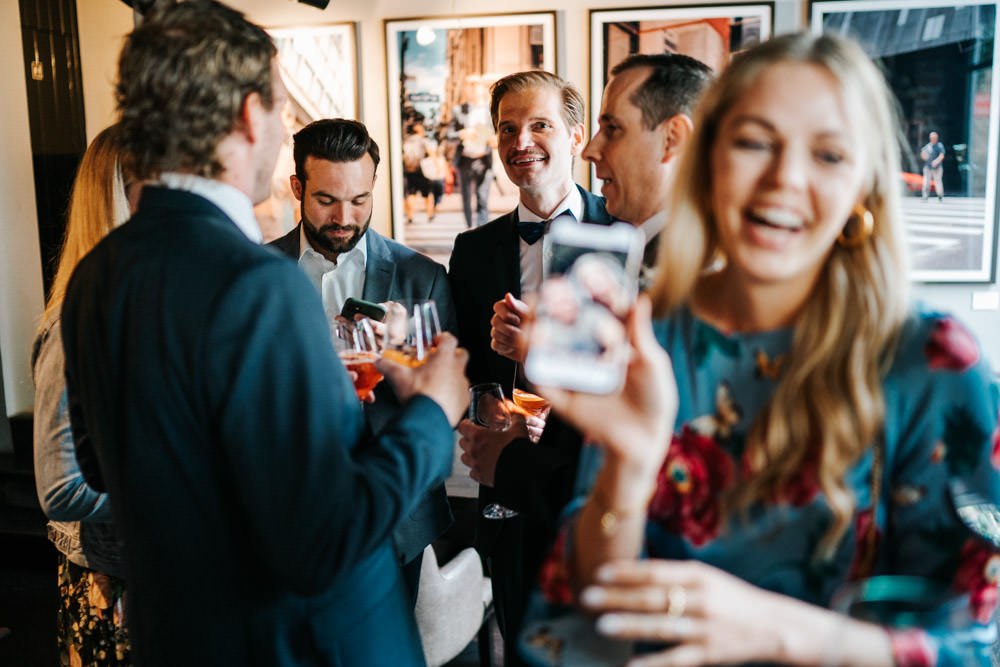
point(362, 364)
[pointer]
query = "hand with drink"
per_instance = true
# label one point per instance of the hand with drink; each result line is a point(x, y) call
point(411, 331)
point(358, 348)
point(419, 359)
point(535, 410)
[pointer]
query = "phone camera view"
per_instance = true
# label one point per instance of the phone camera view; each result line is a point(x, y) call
point(578, 341)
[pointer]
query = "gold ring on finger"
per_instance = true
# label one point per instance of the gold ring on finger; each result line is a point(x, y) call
point(676, 601)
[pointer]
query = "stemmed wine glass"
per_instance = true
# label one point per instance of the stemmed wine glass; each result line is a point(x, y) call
point(489, 409)
point(358, 348)
point(412, 328)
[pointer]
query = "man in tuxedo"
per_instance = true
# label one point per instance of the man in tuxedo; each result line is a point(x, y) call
point(538, 119)
point(335, 170)
point(205, 396)
point(645, 120)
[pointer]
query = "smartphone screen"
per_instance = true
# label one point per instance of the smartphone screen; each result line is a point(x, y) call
point(591, 280)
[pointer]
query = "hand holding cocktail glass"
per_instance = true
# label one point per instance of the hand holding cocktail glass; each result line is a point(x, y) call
point(489, 410)
point(358, 348)
point(411, 331)
point(418, 358)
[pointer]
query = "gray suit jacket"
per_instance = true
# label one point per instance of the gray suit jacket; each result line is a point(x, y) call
point(395, 272)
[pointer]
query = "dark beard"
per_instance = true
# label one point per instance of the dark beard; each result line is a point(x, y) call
point(329, 245)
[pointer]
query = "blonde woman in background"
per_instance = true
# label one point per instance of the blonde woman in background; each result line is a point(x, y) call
point(91, 630)
point(808, 426)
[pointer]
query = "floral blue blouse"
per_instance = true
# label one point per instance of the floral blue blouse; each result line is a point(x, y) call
point(936, 515)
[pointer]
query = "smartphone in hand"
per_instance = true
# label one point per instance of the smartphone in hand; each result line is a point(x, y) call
point(591, 281)
point(370, 310)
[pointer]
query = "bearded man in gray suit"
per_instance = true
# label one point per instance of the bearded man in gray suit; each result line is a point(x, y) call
point(335, 171)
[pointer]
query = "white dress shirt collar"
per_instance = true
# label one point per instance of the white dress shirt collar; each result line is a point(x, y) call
point(572, 202)
point(233, 202)
point(654, 225)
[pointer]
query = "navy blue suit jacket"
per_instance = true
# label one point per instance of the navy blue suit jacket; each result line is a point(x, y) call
point(394, 272)
point(203, 385)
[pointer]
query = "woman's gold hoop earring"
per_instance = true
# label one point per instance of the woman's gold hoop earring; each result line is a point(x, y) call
point(865, 223)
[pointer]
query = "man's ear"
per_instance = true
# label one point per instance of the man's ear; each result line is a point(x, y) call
point(296, 184)
point(252, 113)
point(676, 131)
point(577, 139)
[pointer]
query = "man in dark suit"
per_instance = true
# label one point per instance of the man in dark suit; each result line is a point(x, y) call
point(538, 118)
point(205, 396)
point(335, 169)
point(645, 120)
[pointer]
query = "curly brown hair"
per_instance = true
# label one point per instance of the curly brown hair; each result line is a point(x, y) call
point(183, 75)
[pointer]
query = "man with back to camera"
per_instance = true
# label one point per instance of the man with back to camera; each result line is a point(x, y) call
point(335, 170)
point(538, 118)
point(645, 120)
point(205, 396)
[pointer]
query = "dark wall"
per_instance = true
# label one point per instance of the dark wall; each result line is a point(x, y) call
point(54, 85)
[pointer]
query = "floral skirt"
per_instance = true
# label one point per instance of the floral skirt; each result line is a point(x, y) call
point(91, 626)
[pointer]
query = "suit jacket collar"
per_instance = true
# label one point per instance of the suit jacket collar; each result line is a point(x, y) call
point(594, 210)
point(380, 269)
point(289, 243)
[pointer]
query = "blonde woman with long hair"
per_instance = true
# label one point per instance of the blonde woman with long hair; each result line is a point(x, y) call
point(807, 425)
point(91, 629)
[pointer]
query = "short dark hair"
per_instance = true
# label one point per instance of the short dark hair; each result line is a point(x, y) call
point(674, 85)
point(569, 94)
point(183, 75)
point(333, 139)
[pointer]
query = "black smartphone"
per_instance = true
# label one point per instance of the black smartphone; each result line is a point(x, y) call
point(370, 310)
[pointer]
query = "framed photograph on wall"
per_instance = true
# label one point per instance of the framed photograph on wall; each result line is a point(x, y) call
point(940, 59)
point(444, 177)
point(319, 68)
point(710, 33)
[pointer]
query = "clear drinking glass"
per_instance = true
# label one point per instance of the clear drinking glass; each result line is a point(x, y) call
point(412, 328)
point(489, 409)
point(358, 348)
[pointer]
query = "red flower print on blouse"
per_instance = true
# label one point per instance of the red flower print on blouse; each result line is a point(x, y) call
point(688, 488)
point(951, 346)
point(553, 577)
point(978, 572)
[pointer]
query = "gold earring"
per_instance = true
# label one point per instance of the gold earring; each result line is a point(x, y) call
point(865, 222)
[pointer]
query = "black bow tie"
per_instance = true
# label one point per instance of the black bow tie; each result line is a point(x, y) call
point(532, 231)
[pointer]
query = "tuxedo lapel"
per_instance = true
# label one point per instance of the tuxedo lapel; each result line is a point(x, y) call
point(508, 253)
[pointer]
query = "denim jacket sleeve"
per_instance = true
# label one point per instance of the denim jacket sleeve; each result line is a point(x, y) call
point(62, 491)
